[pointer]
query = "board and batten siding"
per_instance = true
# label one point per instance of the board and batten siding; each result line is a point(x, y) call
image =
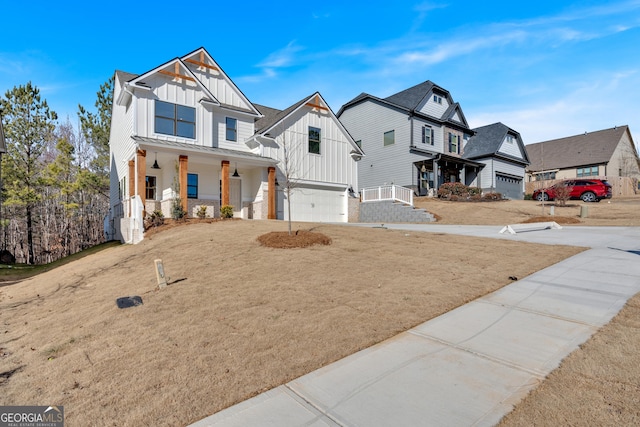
point(334, 163)
point(511, 148)
point(367, 122)
point(224, 91)
point(245, 127)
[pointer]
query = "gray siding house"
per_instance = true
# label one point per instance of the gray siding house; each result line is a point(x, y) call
point(414, 138)
point(501, 150)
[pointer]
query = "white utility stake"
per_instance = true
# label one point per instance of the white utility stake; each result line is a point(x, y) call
point(160, 276)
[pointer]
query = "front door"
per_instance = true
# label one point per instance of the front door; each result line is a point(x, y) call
point(235, 196)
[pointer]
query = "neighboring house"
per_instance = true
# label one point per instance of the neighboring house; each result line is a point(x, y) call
point(415, 138)
point(184, 129)
point(503, 153)
point(604, 153)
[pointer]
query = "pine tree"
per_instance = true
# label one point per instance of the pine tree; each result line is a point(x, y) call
point(29, 126)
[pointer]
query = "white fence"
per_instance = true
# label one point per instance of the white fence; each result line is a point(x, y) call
point(388, 192)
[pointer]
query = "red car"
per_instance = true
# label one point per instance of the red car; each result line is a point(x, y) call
point(589, 190)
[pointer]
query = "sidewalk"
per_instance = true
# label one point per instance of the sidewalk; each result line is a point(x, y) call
point(471, 365)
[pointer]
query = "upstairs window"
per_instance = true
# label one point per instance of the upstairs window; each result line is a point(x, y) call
point(437, 99)
point(389, 138)
point(232, 129)
point(314, 140)
point(174, 119)
point(510, 139)
point(454, 143)
point(359, 143)
point(427, 135)
point(192, 186)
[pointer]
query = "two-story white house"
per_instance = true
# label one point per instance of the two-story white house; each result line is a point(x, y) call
point(185, 130)
point(414, 138)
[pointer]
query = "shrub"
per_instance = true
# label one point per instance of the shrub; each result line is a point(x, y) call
point(492, 196)
point(461, 192)
point(226, 211)
point(528, 196)
point(563, 193)
point(202, 212)
point(177, 211)
point(154, 219)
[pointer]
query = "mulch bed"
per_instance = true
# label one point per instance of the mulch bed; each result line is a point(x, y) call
point(297, 239)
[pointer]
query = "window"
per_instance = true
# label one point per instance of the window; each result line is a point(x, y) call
point(437, 99)
point(314, 140)
point(173, 119)
point(232, 129)
point(427, 135)
point(359, 143)
point(587, 171)
point(454, 146)
point(543, 176)
point(390, 137)
point(150, 188)
point(192, 186)
point(510, 139)
point(122, 188)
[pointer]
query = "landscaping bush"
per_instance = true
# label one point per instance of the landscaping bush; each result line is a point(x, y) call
point(528, 196)
point(154, 219)
point(226, 211)
point(202, 212)
point(492, 196)
point(458, 191)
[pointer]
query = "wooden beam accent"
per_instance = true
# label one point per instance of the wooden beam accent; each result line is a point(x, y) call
point(225, 183)
point(201, 64)
point(142, 174)
point(271, 193)
point(183, 167)
point(316, 104)
point(179, 76)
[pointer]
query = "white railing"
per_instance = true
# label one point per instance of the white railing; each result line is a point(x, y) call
point(388, 192)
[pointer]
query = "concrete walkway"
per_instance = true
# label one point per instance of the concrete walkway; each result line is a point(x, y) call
point(471, 365)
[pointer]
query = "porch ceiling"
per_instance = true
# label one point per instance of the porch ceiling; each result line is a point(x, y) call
point(222, 153)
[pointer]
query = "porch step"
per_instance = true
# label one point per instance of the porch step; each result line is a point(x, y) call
point(389, 212)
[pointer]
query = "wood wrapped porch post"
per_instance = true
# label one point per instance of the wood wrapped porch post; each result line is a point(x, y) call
point(271, 189)
point(183, 168)
point(225, 183)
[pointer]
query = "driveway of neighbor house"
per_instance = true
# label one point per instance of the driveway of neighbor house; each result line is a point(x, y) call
point(470, 365)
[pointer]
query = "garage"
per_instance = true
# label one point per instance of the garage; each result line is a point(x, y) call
point(316, 204)
point(509, 186)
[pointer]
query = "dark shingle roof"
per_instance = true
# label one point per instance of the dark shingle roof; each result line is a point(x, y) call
point(579, 150)
point(412, 97)
point(123, 76)
point(273, 116)
point(488, 140)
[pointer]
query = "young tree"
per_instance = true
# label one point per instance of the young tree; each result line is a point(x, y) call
point(29, 126)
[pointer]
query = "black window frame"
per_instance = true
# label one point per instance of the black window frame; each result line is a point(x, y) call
point(315, 143)
point(179, 117)
point(233, 130)
point(429, 136)
point(191, 186)
point(150, 189)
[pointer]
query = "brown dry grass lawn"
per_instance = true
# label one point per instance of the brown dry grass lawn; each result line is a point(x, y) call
point(619, 211)
point(237, 319)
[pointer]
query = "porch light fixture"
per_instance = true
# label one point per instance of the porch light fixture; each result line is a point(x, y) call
point(155, 164)
point(235, 172)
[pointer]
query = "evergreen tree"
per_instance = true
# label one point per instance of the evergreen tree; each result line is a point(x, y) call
point(96, 129)
point(29, 125)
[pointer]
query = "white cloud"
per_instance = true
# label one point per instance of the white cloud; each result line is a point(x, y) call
point(284, 57)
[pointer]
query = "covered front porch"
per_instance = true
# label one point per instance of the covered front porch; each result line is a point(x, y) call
point(201, 179)
point(432, 172)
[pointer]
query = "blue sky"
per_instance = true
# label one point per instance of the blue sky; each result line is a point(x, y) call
point(548, 69)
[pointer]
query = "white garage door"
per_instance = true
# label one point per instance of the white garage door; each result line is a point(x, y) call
point(315, 204)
